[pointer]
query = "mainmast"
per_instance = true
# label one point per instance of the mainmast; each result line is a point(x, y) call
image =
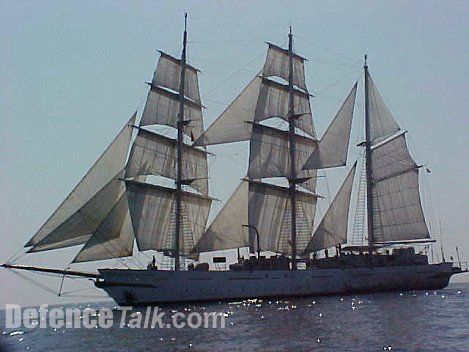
point(369, 176)
point(283, 216)
point(180, 145)
point(291, 135)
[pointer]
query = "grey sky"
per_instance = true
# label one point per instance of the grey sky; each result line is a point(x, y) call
point(72, 72)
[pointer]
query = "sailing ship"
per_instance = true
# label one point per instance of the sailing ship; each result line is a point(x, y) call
point(272, 211)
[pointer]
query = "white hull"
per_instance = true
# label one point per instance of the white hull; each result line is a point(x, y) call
point(141, 287)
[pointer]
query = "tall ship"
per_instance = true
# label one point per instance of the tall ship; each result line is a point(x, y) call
point(121, 206)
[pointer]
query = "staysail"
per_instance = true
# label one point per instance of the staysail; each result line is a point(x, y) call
point(333, 227)
point(89, 202)
point(114, 237)
point(333, 147)
point(225, 231)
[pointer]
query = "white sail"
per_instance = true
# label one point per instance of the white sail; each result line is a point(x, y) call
point(382, 123)
point(273, 101)
point(333, 146)
point(333, 227)
point(153, 154)
point(231, 125)
point(398, 213)
point(270, 154)
point(162, 108)
point(168, 75)
point(268, 209)
point(260, 100)
point(152, 209)
point(113, 238)
point(277, 64)
point(225, 231)
point(78, 228)
point(110, 163)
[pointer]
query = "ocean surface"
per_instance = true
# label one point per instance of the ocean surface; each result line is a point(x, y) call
point(401, 321)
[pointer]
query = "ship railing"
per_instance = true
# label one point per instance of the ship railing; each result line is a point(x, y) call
point(464, 266)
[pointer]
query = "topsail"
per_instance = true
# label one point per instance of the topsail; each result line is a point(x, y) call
point(162, 105)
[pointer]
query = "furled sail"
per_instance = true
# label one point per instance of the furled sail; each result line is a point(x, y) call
point(268, 209)
point(398, 213)
point(96, 187)
point(269, 155)
point(113, 238)
point(333, 146)
point(162, 105)
point(152, 209)
point(333, 227)
point(382, 123)
point(153, 154)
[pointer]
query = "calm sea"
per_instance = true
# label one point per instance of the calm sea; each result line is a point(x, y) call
point(407, 321)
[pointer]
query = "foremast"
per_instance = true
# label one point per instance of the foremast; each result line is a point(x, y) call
point(122, 198)
point(291, 138)
point(180, 145)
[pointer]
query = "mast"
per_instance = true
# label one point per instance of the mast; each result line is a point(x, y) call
point(180, 141)
point(291, 135)
point(369, 179)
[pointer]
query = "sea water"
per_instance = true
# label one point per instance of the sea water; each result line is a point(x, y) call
point(398, 321)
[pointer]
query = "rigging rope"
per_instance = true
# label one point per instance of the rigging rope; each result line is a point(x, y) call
point(351, 62)
point(226, 78)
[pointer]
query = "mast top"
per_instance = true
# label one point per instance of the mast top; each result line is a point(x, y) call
point(185, 21)
point(365, 66)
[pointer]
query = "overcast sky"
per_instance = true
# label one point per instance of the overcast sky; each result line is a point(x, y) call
point(72, 72)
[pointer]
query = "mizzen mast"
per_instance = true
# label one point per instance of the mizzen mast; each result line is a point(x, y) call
point(369, 177)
